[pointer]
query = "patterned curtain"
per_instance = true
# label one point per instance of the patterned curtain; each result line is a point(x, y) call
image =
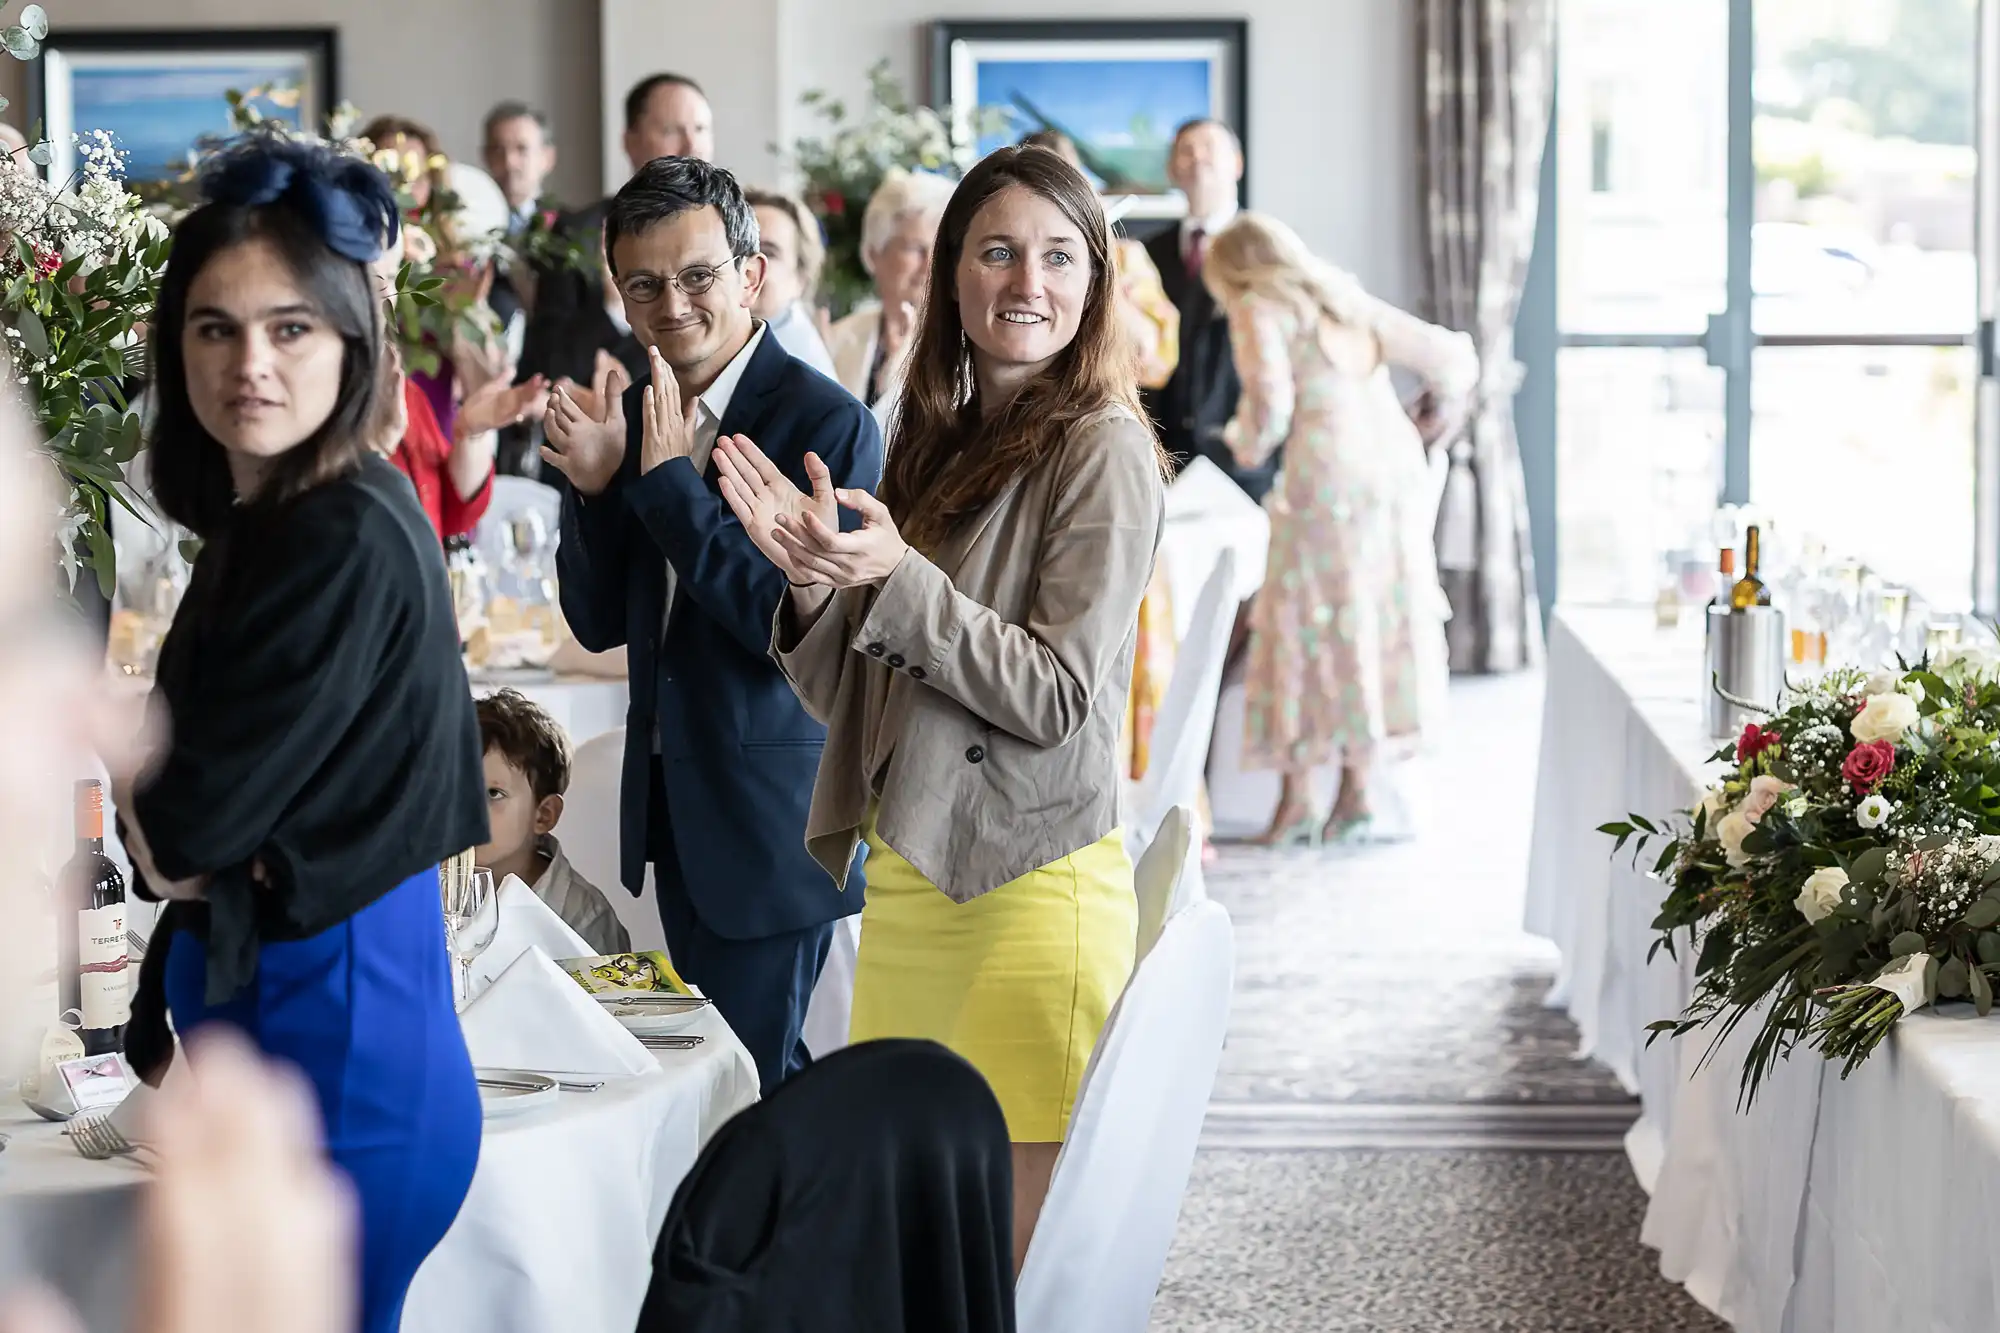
point(1488, 91)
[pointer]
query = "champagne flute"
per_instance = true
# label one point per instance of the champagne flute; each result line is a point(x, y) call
point(471, 916)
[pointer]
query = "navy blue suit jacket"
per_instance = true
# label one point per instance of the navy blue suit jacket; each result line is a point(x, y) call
point(738, 754)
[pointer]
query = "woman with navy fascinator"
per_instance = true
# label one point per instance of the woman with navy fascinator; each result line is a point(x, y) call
point(319, 754)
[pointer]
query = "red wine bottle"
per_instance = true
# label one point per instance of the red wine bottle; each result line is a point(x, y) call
point(91, 931)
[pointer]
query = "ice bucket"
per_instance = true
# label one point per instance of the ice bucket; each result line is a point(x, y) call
point(1745, 666)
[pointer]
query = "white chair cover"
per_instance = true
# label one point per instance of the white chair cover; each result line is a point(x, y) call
point(589, 834)
point(832, 1003)
point(510, 496)
point(1101, 1243)
point(1187, 715)
point(1158, 877)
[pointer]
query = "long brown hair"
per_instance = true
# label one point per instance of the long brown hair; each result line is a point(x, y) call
point(946, 461)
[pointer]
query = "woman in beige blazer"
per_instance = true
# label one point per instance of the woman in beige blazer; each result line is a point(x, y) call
point(969, 647)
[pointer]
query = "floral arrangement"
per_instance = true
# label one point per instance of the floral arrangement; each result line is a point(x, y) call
point(840, 171)
point(1847, 870)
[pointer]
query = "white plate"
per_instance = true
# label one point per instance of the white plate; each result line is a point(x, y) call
point(653, 1022)
point(497, 1102)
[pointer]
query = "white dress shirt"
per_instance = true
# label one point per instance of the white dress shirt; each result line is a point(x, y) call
point(714, 405)
point(1207, 226)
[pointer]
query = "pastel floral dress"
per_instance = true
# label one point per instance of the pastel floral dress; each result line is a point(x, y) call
point(1347, 644)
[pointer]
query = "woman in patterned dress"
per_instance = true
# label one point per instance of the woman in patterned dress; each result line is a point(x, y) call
point(1347, 644)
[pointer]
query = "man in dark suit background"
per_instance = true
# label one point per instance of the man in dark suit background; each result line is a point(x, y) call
point(1205, 164)
point(720, 758)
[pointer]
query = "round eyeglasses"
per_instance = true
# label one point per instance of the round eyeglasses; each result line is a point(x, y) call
point(695, 280)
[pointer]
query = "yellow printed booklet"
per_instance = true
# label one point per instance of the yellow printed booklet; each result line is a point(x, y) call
point(627, 974)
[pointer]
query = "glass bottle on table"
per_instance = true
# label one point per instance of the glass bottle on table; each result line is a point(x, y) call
point(93, 949)
point(1749, 590)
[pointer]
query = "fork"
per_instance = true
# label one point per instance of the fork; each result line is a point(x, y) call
point(98, 1140)
point(674, 1043)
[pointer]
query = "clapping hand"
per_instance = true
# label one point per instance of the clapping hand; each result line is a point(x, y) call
point(669, 427)
point(498, 403)
point(762, 497)
point(800, 533)
point(588, 445)
point(863, 558)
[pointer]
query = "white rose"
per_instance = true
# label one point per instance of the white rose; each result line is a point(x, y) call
point(1885, 717)
point(1874, 812)
point(1821, 893)
point(1882, 682)
point(1730, 831)
point(1713, 802)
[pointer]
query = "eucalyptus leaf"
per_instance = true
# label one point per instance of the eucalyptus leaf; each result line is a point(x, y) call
point(1984, 913)
point(42, 154)
point(35, 20)
point(1867, 868)
point(20, 43)
point(1982, 991)
point(1907, 943)
point(1952, 979)
point(190, 547)
point(33, 335)
point(1987, 944)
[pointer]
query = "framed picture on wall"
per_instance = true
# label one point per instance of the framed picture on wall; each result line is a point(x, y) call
point(159, 91)
point(1117, 88)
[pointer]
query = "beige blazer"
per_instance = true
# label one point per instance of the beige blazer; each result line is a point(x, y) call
point(851, 344)
point(995, 673)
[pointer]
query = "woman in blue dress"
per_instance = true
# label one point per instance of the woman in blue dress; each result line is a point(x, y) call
point(322, 754)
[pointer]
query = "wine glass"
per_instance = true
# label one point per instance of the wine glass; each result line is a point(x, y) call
point(471, 916)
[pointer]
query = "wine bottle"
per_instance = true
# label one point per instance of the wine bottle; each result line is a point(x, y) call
point(91, 926)
point(1749, 590)
point(1725, 575)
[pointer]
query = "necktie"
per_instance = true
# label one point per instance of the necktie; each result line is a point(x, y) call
point(1197, 251)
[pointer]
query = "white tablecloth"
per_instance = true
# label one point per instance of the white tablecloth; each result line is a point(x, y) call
point(1863, 1206)
point(1207, 514)
point(556, 1234)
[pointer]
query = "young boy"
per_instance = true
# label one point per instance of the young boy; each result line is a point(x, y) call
point(527, 772)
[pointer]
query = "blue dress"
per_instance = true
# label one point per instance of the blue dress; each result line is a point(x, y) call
point(364, 1010)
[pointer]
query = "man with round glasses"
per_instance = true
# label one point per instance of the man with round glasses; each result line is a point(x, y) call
point(720, 758)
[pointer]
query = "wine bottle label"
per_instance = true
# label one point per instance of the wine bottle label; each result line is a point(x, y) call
point(101, 954)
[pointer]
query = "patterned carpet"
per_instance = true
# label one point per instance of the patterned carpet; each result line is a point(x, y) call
point(1401, 1136)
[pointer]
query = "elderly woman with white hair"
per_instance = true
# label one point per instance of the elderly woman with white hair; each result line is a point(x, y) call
point(896, 235)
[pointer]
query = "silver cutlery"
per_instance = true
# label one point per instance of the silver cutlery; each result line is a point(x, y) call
point(98, 1140)
point(680, 1042)
point(525, 1085)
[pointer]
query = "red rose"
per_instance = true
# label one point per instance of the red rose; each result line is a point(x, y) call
point(548, 219)
point(1754, 741)
point(832, 202)
point(1867, 765)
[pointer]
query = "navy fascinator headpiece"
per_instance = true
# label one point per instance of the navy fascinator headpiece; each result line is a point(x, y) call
point(349, 202)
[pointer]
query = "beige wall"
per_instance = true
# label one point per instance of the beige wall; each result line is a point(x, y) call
point(1333, 95)
point(443, 62)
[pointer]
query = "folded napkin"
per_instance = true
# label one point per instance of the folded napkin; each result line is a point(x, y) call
point(526, 922)
point(535, 1016)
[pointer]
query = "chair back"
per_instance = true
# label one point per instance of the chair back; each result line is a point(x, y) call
point(1101, 1243)
point(870, 1193)
point(512, 495)
point(589, 833)
point(1158, 876)
point(832, 1002)
point(1187, 715)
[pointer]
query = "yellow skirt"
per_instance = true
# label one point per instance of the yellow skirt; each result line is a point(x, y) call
point(1019, 981)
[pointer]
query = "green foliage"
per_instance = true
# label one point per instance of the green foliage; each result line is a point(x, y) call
point(840, 170)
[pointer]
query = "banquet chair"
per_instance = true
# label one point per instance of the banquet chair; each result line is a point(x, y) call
point(872, 1192)
point(589, 834)
point(1161, 876)
point(832, 1002)
point(511, 495)
point(1101, 1244)
point(1187, 715)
